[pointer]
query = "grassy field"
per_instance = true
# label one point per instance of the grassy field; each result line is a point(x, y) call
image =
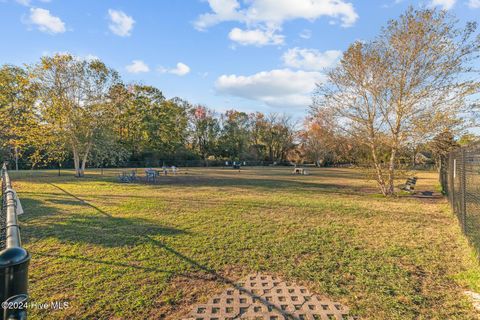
point(137, 251)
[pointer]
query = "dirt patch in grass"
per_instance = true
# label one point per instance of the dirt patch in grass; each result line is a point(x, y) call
point(188, 289)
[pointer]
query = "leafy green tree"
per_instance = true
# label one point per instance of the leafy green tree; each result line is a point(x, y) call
point(167, 127)
point(20, 126)
point(234, 138)
point(205, 130)
point(74, 103)
point(279, 136)
point(442, 144)
point(467, 138)
point(147, 123)
point(258, 128)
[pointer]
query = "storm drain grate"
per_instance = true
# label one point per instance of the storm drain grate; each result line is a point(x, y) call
point(266, 297)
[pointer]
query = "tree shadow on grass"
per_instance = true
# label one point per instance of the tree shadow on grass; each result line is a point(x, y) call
point(99, 230)
point(103, 229)
point(81, 201)
point(262, 184)
point(98, 227)
point(109, 231)
point(204, 272)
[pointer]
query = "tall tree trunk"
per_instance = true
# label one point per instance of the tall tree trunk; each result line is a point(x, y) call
point(378, 170)
point(76, 162)
point(205, 159)
point(414, 156)
point(391, 172)
point(84, 159)
point(376, 163)
point(16, 158)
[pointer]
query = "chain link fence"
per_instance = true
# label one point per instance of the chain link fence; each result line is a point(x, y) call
point(460, 179)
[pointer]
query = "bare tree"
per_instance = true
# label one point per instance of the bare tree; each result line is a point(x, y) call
point(415, 79)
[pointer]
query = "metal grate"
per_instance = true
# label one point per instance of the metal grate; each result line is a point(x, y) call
point(460, 179)
point(267, 297)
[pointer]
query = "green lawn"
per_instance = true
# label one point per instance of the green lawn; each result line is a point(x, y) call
point(136, 251)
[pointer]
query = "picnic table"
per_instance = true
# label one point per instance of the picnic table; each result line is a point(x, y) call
point(151, 175)
point(128, 176)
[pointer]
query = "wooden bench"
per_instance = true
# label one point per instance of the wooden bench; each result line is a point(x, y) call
point(409, 184)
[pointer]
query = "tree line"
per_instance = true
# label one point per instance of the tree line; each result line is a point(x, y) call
point(68, 109)
point(413, 88)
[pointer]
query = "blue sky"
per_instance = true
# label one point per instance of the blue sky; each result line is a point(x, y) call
point(251, 55)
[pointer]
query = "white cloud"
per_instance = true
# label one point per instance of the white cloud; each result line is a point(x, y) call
point(121, 24)
point(137, 66)
point(444, 4)
point(306, 34)
point(474, 4)
point(25, 3)
point(223, 10)
point(276, 88)
point(45, 21)
point(255, 37)
point(180, 70)
point(310, 59)
point(275, 12)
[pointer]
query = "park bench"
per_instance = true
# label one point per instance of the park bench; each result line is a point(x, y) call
point(300, 171)
point(409, 184)
point(127, 177)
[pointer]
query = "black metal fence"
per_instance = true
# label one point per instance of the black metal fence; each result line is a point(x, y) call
point(460, 179)
point(14, 259)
